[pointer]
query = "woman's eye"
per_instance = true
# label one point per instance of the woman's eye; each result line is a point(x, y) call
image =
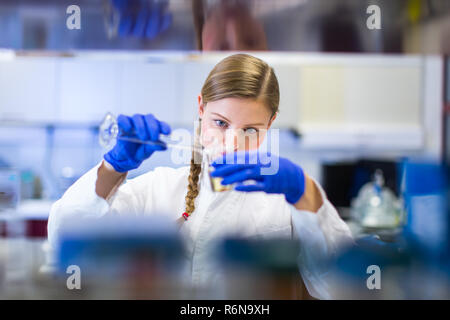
point(251, 130)
point(220, 123)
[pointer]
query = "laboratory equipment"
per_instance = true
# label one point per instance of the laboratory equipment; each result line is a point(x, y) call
point(9, 188)
point(216, 182)
point(109, 131)
point(416, 264)
point(425, 190)
point(376, 206)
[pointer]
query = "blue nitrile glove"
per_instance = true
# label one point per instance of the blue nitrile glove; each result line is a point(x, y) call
point(142, 18)
point(272, 174)
point(128, 155)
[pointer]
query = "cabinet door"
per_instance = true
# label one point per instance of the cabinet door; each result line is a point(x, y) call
point(362, 103)
point(288, 82)
point(28, 89)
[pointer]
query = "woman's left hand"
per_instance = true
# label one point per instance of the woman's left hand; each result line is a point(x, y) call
point(272, 174)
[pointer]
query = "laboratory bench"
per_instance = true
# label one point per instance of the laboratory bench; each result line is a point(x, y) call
point(27, 266)
point(26, 274)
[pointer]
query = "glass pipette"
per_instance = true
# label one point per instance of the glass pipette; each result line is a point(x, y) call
point(109, 131)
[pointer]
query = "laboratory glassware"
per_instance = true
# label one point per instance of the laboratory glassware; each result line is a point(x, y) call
point(216, 184)
point(376, 205)
point(109, 131)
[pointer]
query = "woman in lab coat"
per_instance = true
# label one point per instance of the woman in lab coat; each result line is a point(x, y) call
point(240, 95)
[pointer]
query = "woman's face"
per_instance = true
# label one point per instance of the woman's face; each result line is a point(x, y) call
point(233, 124)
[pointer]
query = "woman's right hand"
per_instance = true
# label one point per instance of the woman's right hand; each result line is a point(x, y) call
point(128, 155)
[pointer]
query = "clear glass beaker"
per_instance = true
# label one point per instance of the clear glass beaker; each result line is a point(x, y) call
point(216, 182)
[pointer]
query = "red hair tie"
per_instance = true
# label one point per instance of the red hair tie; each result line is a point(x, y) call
point(185, 215)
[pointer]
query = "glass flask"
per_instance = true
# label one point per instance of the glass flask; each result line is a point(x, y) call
point(109, 132)
point(376, 206)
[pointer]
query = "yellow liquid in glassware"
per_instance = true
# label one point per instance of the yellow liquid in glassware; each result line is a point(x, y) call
point(216, 184)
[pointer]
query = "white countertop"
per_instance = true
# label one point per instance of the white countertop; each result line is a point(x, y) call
point(29, 209)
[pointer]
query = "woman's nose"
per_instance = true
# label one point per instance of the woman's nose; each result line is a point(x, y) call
point(234, 139)
point(229, 139)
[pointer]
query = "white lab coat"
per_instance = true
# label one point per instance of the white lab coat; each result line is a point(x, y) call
point(254, 214)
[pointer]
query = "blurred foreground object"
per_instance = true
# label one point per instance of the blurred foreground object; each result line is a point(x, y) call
point(262, 269)
point(407, 26)
point(124, 257)
point(417, 264)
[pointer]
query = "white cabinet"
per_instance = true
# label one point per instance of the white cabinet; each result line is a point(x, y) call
point(151, 88)
point(87, 90)
point(354, 102)
point(288, 82)
point(193, 76)
point(27, 88)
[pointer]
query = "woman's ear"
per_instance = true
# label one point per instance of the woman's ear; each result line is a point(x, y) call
point(271, 120)
point(201, 108)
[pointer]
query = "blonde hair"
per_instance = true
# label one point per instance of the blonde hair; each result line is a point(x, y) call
point(236, 76)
